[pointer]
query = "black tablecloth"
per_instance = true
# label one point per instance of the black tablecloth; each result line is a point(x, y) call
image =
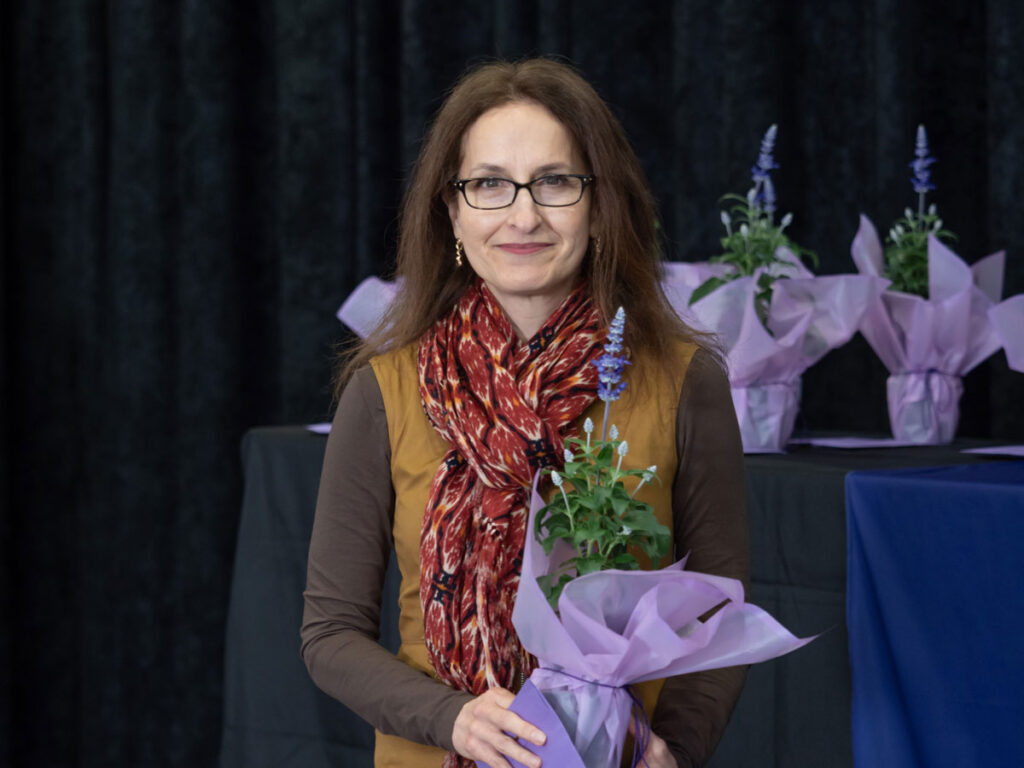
point(794, 711)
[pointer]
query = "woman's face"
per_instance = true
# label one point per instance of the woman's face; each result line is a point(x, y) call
point(528, 255)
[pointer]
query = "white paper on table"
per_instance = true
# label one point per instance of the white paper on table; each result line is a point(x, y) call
point(998, 450)
point(852, 443)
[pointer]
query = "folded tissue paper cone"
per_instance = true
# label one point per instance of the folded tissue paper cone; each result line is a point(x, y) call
point(928, 345)
point(614, 628)
point(366, 305)
point(557, 749)
point(1008, 320)
point(807, 316)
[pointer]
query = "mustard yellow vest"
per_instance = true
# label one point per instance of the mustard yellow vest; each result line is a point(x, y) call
point(646, 418)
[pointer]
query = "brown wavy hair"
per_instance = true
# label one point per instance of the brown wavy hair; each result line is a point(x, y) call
point(625, 272)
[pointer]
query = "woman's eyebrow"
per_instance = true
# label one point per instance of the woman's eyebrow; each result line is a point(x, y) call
point(551, 167)
point(487, 168)
point(501, 170)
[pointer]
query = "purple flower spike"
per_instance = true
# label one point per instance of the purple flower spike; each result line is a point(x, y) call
point(765, 161)
point(610, 364)
point(768, 195)
point(609, 370)
point(922, 176)
point(615, 329)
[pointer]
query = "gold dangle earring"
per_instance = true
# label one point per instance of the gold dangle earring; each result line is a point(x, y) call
point(459, 252)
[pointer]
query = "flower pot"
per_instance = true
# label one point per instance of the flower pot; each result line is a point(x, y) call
point(924, 406)
point(766, 413)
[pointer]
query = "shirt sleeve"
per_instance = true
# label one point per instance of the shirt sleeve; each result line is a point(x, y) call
point(348, 556)
point(710, 523)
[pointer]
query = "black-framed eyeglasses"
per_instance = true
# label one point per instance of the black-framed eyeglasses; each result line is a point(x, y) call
point(554, 190)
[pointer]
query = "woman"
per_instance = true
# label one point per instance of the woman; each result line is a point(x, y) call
point(528, 221)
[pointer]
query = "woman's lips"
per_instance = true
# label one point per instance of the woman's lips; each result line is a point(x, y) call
point(522, 248)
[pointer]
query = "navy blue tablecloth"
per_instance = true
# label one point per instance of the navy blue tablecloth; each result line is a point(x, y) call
point(935, 587)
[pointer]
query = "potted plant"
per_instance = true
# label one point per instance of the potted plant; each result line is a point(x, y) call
point(931, 325)
point(773, 317)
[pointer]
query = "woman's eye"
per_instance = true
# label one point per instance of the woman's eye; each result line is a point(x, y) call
point(557, 180)
point(489, 183)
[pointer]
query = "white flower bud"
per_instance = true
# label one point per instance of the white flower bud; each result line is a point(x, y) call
point(933, 209)
point(556, 479)
point(726, 219)
point(588, 426)
point(893, 235)
point(649, 472)
point(908, 213)
point(786, 220)
point(623, 448)
point(744, 230)
point(613, 432)
point(567, 454)
point(899, 229)
point(937, 225)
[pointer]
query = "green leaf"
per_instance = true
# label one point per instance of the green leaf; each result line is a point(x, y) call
point(589, 564)
point(706, 287)
point(620, 503)
point(625, 562)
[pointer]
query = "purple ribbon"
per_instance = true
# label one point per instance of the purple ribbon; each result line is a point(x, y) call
point(641, 739)
point(924, 406)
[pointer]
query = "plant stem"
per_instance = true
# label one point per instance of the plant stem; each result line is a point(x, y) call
point(568, 509)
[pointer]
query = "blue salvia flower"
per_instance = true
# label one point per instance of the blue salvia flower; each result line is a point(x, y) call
point(727, 222)
point(765, 162)
point(764, 190)
point(610, 364)
point(922, 176)
point(646, 478)
point(560, 485)
point(768, 195)
point(609, 373)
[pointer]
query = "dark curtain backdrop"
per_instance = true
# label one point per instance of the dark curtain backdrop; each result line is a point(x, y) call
point(191, 189)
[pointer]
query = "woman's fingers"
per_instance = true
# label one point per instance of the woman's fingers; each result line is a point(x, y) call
point(657, 753)
point(486, 730)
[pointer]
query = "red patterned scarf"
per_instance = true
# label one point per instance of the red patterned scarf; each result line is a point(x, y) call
point(505, 408)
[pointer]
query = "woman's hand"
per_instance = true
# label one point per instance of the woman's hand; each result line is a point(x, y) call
point(657, 754)
point(480, 731)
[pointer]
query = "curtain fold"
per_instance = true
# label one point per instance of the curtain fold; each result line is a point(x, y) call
point(190, 190)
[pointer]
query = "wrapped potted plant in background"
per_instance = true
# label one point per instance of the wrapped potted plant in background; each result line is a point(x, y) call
point(932, 325)
point(772, 315)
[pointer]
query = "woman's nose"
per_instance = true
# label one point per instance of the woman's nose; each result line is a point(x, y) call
point(523, 213)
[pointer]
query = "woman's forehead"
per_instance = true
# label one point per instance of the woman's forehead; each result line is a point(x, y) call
point(519, 136)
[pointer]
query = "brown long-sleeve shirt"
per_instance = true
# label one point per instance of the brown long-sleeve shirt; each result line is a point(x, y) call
point(352, 537)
